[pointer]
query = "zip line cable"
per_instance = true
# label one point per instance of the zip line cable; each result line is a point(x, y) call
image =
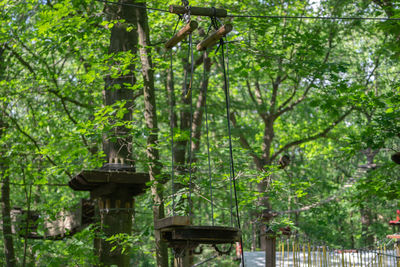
point(133, 5)
point(264, 16)
point(309, 17)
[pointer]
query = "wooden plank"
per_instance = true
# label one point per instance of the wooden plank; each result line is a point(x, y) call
point(181, 34)
point(199, 11)
point(171, 221)
point(215, 37)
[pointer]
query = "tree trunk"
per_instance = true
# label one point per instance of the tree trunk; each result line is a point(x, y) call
point(5, 190)
point(6, 213)
point(150, 114)
point(117, 144)
point(367, 215)
point(201, 101)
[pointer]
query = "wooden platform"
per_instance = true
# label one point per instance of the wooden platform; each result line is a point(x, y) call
point(101, 182)
point(178, 232)
point(201, 234)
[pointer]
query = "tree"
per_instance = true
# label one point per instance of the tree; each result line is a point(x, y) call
point(152, 126)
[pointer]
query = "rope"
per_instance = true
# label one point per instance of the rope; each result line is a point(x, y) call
point(208, 145)
point(191, 122)
point(172, 131)
point(232, 167)
point(233, 175)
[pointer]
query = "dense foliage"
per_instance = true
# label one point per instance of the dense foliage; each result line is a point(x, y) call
point(325, 93)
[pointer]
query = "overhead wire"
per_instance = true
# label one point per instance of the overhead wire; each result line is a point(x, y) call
point(311, 17)
point(133, 5)
point(265, 16)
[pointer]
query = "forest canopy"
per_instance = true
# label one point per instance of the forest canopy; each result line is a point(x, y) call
point(313, 120)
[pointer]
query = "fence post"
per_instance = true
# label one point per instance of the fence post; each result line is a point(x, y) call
point(397, 247)
point(270, 250)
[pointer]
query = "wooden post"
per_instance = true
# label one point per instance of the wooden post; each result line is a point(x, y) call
point(215, 37)
point(116, 216)
point(117, 143)
point(199, 11)
point(180, 35)
point(270, 250)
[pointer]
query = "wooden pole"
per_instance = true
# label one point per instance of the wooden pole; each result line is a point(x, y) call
point(270, 251)
point(214, 38)
point(180, 35)
point(199, 11)
point(116, 216)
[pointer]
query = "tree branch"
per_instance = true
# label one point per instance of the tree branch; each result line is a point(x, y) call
point(305, 208)
point(281, 109)
point(21, 60)
point(258, 102)
point(313, 137)
point(68, 99)
point(35, 143)
point(242, 139)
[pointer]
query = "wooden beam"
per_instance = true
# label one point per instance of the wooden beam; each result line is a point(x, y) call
point(199, 11)
point(172, 221)
point(180, 35)
point(215, 37)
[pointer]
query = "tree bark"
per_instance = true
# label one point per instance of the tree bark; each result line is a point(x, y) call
point(150, 114)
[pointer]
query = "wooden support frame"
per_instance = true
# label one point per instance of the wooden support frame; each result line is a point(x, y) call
point(181, 34)
point(199, 11)
point(215, 37)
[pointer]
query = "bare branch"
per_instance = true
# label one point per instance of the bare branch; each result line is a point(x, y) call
point(68, 99)
point(251, 93)
point(305, 208)
point(259, 97)
point(275, 87)
point(258, 102)
point(298, 101)
point(35, 143)
point(242, 139)
point(282, 109)
point(313, 137)
point(21, 60)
